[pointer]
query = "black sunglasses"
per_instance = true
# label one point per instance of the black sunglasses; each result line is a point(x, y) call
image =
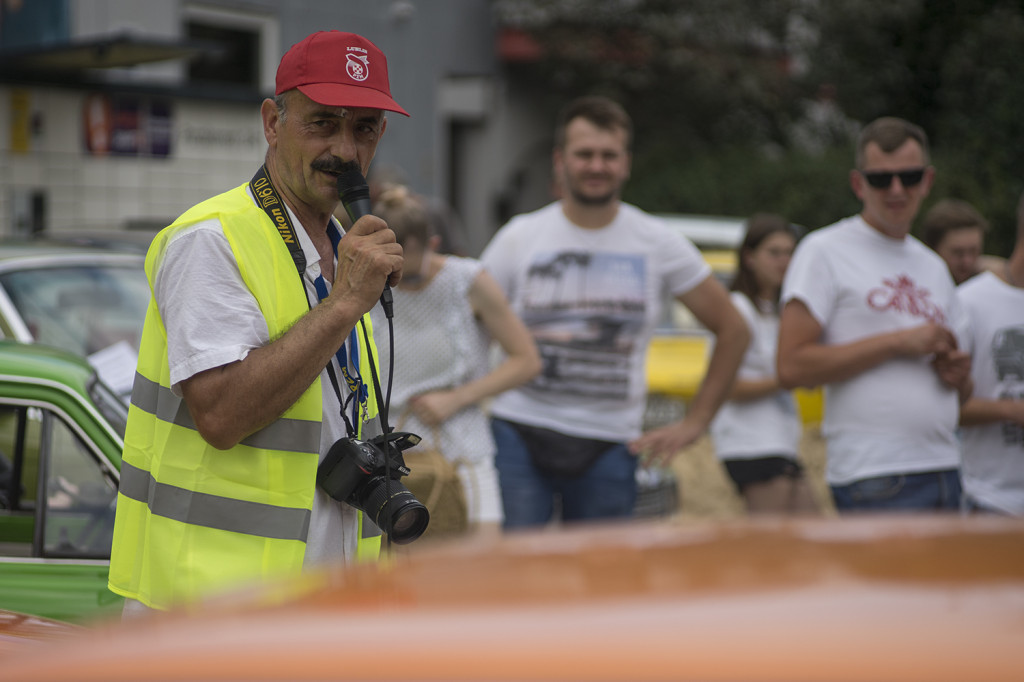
point(883, 179)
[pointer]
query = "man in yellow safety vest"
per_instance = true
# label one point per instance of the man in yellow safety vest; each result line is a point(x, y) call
point(257, 352)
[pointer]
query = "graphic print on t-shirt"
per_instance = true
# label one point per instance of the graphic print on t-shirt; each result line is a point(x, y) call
point(902, 295)
point(1008, 358)
point(585, 311)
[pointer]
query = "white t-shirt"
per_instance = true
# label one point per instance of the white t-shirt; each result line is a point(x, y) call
point(768, 426)
point(212, 319)
point(993, 468)
point(897, 417)
point(591, 298)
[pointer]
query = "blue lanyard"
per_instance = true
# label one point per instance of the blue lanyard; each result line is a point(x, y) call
point(349, 371)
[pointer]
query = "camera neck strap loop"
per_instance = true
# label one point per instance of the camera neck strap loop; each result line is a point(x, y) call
point(267, 198)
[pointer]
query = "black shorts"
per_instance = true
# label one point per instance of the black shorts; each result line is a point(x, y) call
point(744, 472)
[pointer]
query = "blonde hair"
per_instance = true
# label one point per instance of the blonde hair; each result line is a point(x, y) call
point(405, 214)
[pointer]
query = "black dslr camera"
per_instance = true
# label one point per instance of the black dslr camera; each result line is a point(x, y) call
point(355, 472)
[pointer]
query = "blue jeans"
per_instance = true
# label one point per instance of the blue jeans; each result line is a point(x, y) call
point(606, 490)
point(929, 491)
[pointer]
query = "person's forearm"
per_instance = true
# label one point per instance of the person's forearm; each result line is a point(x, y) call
point(730, 347)
point(981, 411)
point(745, 390)
point(514, 371)
point(231, 402)
point(815, 364)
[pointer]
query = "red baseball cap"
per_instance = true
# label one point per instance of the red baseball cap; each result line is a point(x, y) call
point(339, 70)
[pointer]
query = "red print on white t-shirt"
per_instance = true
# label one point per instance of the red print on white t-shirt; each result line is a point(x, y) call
point(903, 296)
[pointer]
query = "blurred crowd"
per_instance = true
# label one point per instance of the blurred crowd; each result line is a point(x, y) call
point(919, 350)
point(265, 442)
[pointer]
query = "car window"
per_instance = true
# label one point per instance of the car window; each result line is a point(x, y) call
point(57, 500)
point(82, 309)
point(79, 518)
point(110, 405)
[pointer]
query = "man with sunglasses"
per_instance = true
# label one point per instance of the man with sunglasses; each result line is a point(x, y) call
point(871, 313)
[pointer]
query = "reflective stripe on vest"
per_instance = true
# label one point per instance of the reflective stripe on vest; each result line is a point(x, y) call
point(288, 435)
point(213, 511)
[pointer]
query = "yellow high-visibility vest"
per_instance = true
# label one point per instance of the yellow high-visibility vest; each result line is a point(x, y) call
point(192, 519)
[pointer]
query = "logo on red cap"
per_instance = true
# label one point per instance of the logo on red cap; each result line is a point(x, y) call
point(357, 65)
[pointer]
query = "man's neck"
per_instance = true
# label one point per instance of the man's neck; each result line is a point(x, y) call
point(312, 220)
point(891, 233)
point(1014, 272)
point(588, 216)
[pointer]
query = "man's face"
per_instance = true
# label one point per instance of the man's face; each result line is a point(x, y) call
point(594, 163)
point(313, 143)
point(891, 210)
point(961, 249)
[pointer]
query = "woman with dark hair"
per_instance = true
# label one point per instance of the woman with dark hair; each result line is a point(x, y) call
point(757, 431)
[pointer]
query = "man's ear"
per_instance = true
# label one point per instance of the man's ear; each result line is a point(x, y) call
point(271, 117)
point(557, 159)
point(857, 183)
point(929, 180)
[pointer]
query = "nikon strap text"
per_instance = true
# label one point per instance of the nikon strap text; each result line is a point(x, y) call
point(266, 196)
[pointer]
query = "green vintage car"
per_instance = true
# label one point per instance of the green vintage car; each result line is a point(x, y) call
point(61, 434)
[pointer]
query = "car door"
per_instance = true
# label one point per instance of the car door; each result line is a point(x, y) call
point(57, 497)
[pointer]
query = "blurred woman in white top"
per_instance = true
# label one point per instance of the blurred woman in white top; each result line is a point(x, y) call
point(447, 309)
point(757, 432)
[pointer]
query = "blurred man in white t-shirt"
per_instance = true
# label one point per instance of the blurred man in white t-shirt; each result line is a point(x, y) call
point(588, 274)
point(871, 313)
point(955, 230)
point(993, 419)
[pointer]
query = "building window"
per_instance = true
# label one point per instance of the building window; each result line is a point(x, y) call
point(249, 48)
point(236, 62)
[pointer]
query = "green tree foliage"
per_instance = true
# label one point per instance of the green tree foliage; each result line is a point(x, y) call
point(713, 72)
point(810, 189)
point(723, 94)
point(951, 65)
point(981, 126)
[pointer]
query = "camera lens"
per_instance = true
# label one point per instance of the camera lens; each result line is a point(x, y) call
point(409, 523)
point(400, 514)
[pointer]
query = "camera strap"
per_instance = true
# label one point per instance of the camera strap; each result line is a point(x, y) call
point(267, 198)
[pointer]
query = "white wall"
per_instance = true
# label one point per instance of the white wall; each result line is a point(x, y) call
point(215, 146)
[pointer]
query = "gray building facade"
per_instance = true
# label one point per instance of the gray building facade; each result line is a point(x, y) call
point(120, 114)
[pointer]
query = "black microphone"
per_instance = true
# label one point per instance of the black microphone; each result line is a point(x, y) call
point(354, 194)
